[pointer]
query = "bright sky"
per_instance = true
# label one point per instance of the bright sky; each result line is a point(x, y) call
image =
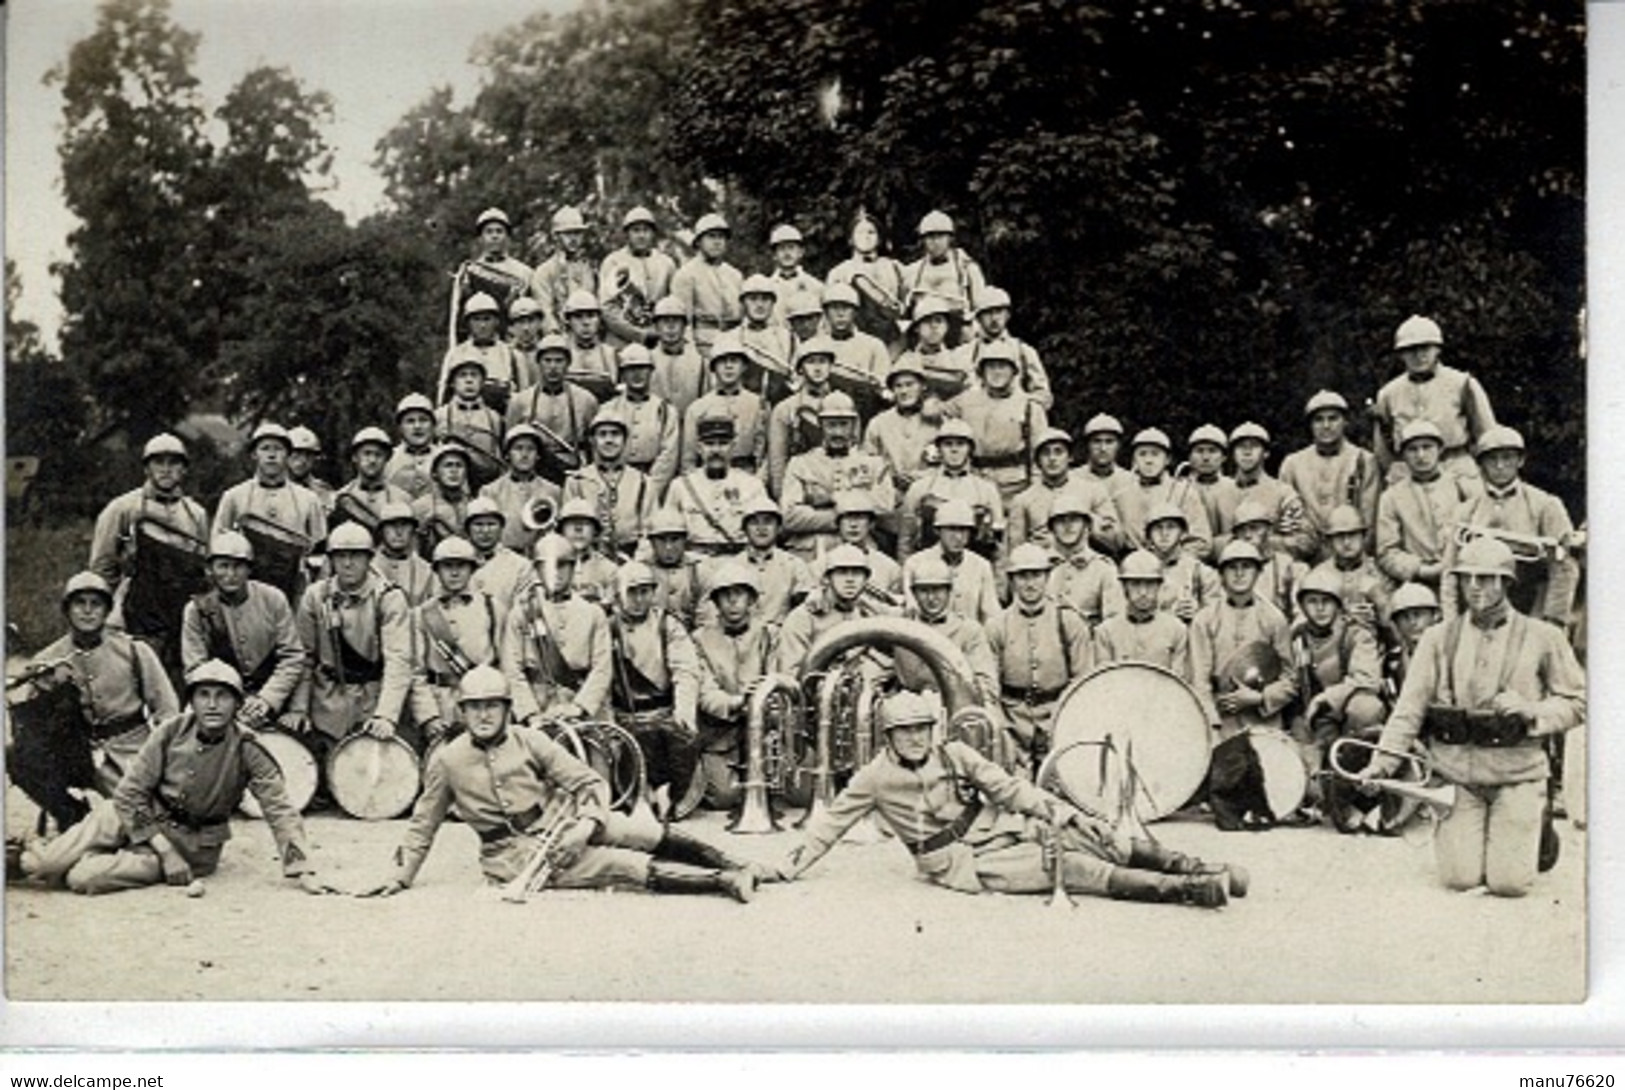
point(376, 58)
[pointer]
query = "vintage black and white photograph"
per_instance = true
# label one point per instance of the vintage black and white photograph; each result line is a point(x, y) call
point(796, 501)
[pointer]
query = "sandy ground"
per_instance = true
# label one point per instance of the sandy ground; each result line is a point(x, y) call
point(1329, 919)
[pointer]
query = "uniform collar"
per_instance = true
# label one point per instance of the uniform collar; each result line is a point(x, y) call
point(488, 743)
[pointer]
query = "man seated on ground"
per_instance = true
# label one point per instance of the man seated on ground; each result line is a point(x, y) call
point(511, 784)
point(971, 826)
point(171, 815)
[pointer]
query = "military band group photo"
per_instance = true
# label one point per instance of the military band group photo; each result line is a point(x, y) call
point(809, 549)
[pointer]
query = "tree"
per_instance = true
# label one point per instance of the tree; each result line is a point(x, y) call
point(45, 405)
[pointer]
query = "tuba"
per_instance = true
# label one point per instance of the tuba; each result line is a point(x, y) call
point(774, 714)
point(538, 515)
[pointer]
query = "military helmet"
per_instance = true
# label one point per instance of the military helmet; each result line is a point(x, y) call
point(579, 508)
point(352, 537)
point(581, 302)
point(268, 430)
point(1140, 565)
point(708, 223)
point(837, 404)
point(784, 232)
point(727, 344)
point(1249, 511)
point(635, 573)
point(670, 307)
point(1003, 351)
point(480, 303)
point(1420, 429)
point(466, 357)
point(855, 501)
point(930, 571)
point(371, 434)
point(931, 306)
point(1417, 330)
point(492, 215)
point(1411, 596)
point(446, 450)
point(635, 355)
point(396, 511)
point(734, 574)
point(1499, 437)
point(845, 556)
point(842, 294)
point(483, 507)
point(483, 683)
point(906, 709)
point(1029, 557)
point(1486, 556)
point(1323, 580)
point(637, 215)
point(1166, 512)
point(1152, 437)
point(87, 582)
point(1069, 504)
point(1208, 433)
point(815, 346)
point(956, 513)
point(213, 672)
point(413, 403)
point(553, 343)
point(935, 223)
point(1238, 552)
point(230, 545)
point(521, 431)
point(163, 445)
point(524, 307)
point(993, 299)
point(1052, 435)
point(757, 284)
point(955, 428)
point(609, 418)
point(906, 364)
point(1345, 519)
point(553, 549)
point(1249, 430)
point(761, 505)
point(1326, 399)
point(568, 218)
point(804, 304)
point(455, 550)
point(668, 522)
point(1103, 423)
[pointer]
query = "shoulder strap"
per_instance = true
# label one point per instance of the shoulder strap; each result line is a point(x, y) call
point(216, 631)
point(705, 511)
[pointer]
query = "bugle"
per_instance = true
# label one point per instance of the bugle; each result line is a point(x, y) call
point(1441, 798)
point(1526, 548)
point(538, 869)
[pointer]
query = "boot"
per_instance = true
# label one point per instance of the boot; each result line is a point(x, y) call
point(681, 847)
point(669, 878)
point(1206, 890)
point(1149, 855)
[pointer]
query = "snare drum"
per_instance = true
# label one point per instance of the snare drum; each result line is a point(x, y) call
point(374, 779)
point(298, 771)
point(1286, 781)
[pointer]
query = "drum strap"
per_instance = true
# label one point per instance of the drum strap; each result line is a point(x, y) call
point(217, 634)
point(637, 690)
point(550, 659)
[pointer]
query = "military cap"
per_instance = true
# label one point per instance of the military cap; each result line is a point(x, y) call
point(1152, 437)
point(635, 573)
point(669, 306)
point(164, 445)
point(757, 284)
point(269, 430)
point(906, 709)
point(1166, 512)
point(844, 294)
point(955, 428)
point(1140, 565)
point(455, 550)
point(935, 223)
point(1344, 519)
point(635, 355)
point(230, 545)
point(1323, 580)
point(715, 425)
point(1208, 433)
point(1052, 435)
point(855, 501)
point(668, 522)
point(351, 537)
point(553, 342)
point(708, 223)
point(579, 508)
point(446, 450)
point(1102, 423)
point(993, 299)
point(1029, 557)
point(568, 218)
point(1411, 596)
point(837, 403)
point(845, 556)
point(930, 571)
point(818, 345)
point(905, 365)
point(804, 304)
point(521, 431)
point(1499, 437)
point(762, 505)
point(87, 582)
point(213, 672)
point(371, 434)
point(1486, 556)
point(413, 403)
point(783, 233)
point(396, 511)
point(1003, 351)
point(1417, 330)
point(483, 683)
point(1420, 429)
point(1249, 430)
point(1326, 399)
point(492, 215)
point(930, 306)
point(524, 307)
point(581, 302)
point(1238, 552)
point(553, 549)
point(1250, 511)
point(609, 418)
point(480, 303)
point(956, 513)
point(638, 215)
point(483, 507)
point(1069, 504)
point(734, 574)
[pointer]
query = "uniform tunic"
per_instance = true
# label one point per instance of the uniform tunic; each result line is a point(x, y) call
point(1364, 583)
point(793, 429)
point(512, 495)
point(710, 293)
point(1344, 666)
point(475, 424)
point(1278, 582)
point(504, 575)
point(680, 378)
point(713, 507)
point(626, 277)
point(771, 349)
point(291, 506)
point(592, 367)
point(938, 486)
point(953, 277)
point(1451, 399)
point(501, 360)
point(259, 628)
point(810, 620)
point(408, 470)
point(1160, 639)
point(122, 686)
point(1522, 509)
point(749, 413)
point(861, 362)
point(654, 440)
point(470, 626)
point(1135, 500)
point(879, 284)
point(1217, 630)
point(1187, 578)
point(1327, 481)
point(553, 281)
point(561, 417)
point(1087, 582)
point(1039, 651)
point(369, 499)
point(112, 547)
point(375, 621)
point(975, 593)
point(1288, 525)
point(1031, 377)
point(785, 579)
point(624, 499)
point(664, 673)
point(944, 370)
point(1029, 512)
point(904, 439)
point(411, 573)
point(790, 285)
point(1415, 521)
point(1219, 499)
point(811, 481)
point(678, 589)
point(440, 515)
point(556, 652)
point(971, 639)
point(729, 662)
point(1006, 427)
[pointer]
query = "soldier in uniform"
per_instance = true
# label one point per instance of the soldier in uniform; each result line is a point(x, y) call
point(171, 813)
point(1547, 582)
point(1280, 575)
point(540, 784)
point(362, 498)
point(782, 578)
point(654, 435)
point(497, 358)
point(1151, 486)
point(1418, 513)
point(1143, 632)
point(501, 572)
point(1041, 645)
point(592, 362)
point(494, 268)
point(1412, 610)
point(357, 634)
point(115, 547)
point(1331, 471)
point(622, 496)
point(580, 524)
point(121, 687)
point(841, 598)
point(713, 497)
point(944, 272)
point(676, 570)
point(975, 592)
point(952, 479)
point(556, 407)
point(1249, 443)
point(729, 397)
point(1219, 493)
point(1365, 588)
point(811, 480)
point(566, 271)
point(1081, 578)
point(408, 467)
point(766, 337)
point(248, 625)
point(456, 629)
point(271, 496)
point(805, 313)
point(302, 462)
point(516, 490)
point(855, 515)
point(902, 434)
point(793, 426)
point(735, 650)
point(634, 279)
point(1187, 583)
point(680, 375)
point(1029, 512)
point(707, 285)
point(1485, 725)
point(1005, 419)
point(1102, 438)
point(788, 278)
point(1228, 624)
point(993, 319)
point(656, 688)
point(1451, 400)
point(555, 645)
point(878, 281)
point(525, 327)
point(441, 510)
point(973, 827)
point(946, 372)
point(862, 362)
point(398, 560)
point(468, 421)
point(933, 586)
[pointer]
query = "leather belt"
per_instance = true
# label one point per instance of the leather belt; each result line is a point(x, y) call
point(957, 829)
point(1030, 695)
point(101, 732)
point(517, 824)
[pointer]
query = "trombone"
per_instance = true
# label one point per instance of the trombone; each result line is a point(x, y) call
point(1439, 800)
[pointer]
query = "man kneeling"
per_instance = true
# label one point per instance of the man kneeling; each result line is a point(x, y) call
point(170, 814)
point(537, 777)
point(973, 827)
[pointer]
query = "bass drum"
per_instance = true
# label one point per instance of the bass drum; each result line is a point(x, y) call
point(298, 771)
point(1151, 719)
point(374, 779)
point(1286, 781)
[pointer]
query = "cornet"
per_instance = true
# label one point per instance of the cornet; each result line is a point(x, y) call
point(1526, 548)
point(538, 515)
point(539, 867)
point(1439, 799)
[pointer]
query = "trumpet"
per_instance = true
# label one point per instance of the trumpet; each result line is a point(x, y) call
point(538, 515)
point(1440, 799)
point(538, 869)
point(1526, 548)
